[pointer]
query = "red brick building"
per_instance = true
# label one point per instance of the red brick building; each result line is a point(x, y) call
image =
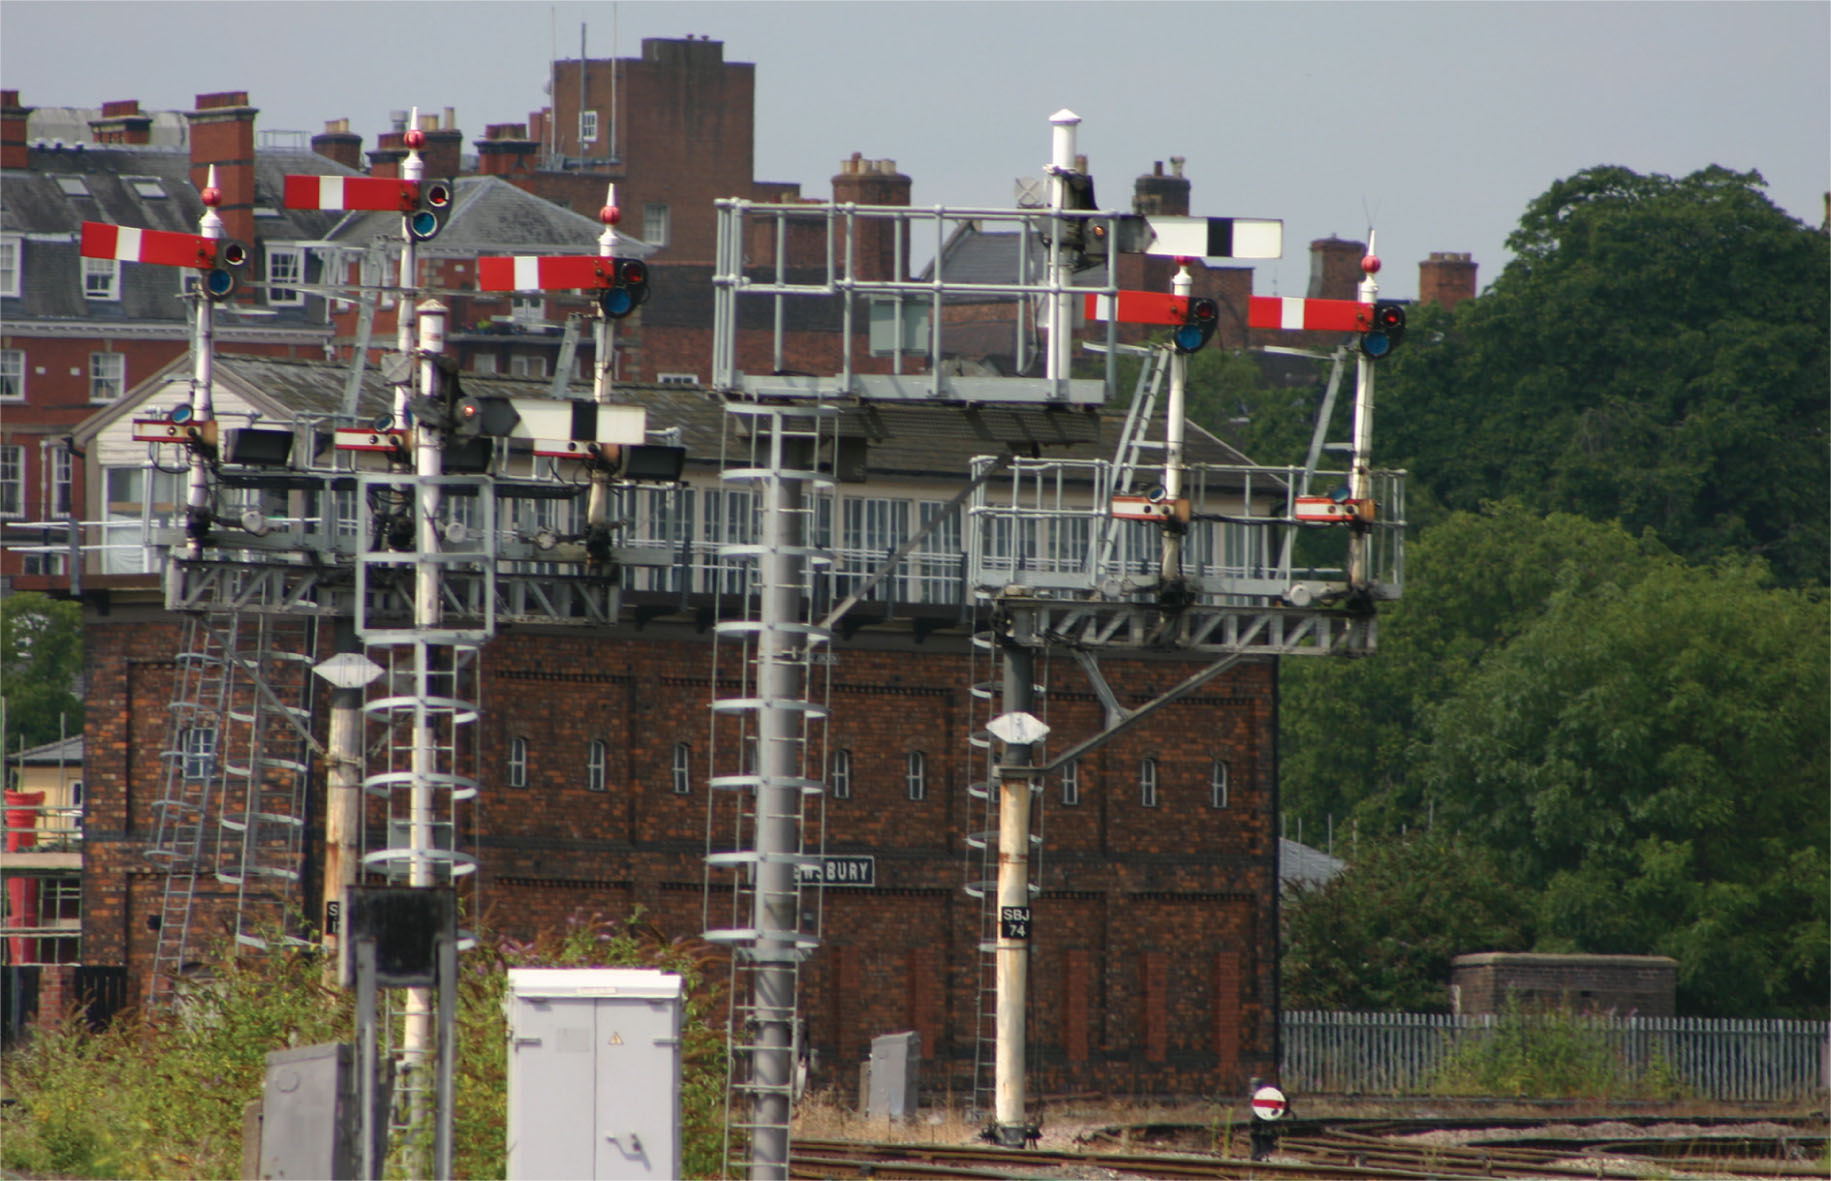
point(1155, 950)
point(77, 334)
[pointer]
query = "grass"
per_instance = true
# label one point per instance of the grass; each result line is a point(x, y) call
point(161, 1095)
point(1556, 1054)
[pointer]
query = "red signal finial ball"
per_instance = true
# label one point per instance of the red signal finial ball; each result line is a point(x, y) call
point(610, 215)
point(212, 196)
point(414, 138)
point(1371, 264)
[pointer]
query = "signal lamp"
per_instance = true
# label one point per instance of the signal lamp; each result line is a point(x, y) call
point(220, 279)
point(629, 290)
point(1387, 331)
point(1199, 323)
point(219, 285)
point(426, 220)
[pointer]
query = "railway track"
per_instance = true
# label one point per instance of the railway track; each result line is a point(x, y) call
point(1371, 1150)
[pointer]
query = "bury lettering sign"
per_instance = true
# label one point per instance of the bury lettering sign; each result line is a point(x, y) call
point(856, 870)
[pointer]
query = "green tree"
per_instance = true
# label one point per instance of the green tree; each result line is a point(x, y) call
point(41, 666)
point(1656, 353)
point(1648, 761)
point(1381, 935)
point(1352, 731)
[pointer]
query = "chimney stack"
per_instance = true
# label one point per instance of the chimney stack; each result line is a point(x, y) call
point(339, 144)
point(386, 156)
point(506, 150)
point(1158, 195)
point(1446, 278)
point(444, 148)
point(222, 133)
point(122, 123)
point(873, 182)
point(13, 150)
point(1335, 268)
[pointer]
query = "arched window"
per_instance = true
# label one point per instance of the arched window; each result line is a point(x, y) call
point(839, 775)
point(518, 762)
point(915, 775)
point(1219, 775)
point(683, 769)
point(597, 756)
point(1071, 783)
point(1147, 782)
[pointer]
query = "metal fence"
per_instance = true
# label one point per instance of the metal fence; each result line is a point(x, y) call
point(1402, 1053)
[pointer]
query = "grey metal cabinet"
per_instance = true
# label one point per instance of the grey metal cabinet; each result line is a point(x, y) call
point(593, 1073)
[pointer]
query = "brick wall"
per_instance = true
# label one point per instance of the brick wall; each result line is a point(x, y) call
point(1154, 946)
point(1639, 985)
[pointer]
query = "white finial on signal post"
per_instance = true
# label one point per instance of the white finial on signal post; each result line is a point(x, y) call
point(611, 216)
point(414, 166)
point(210, 225)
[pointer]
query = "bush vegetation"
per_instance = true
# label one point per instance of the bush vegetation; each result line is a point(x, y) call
point(160, 1095)
point(1553, 1054)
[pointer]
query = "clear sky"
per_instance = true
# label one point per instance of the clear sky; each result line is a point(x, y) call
point(1436, 122)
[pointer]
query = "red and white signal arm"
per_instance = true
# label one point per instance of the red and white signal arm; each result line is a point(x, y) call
point(362, 193)
point(1137, 307)
point(1148, 508)
point(1268, 1103)
point(1309, 315)
point(164, 247)
point(388, 440)
point(1326, 510)
point(533, 272)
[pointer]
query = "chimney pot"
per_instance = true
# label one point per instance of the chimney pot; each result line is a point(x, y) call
point(1176, 165)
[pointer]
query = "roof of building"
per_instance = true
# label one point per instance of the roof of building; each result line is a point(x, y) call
point(906, 440)
point(51, 754)
point(1301, 865)
point(146, 188)
point(491, 216)
point(973, 254)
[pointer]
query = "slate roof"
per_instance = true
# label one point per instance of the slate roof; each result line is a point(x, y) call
point(38, 207)
point(51, 754)
point(913, 441)
point(1301, 865)
point(973, 255)
point(491, 216)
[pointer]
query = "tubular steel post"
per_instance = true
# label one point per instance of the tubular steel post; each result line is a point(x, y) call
point(418, 1034)
point(597, 508)
point(1360, 477)
point(1061, 273)
point(1013, 974)
point(343, 791)
point(1175, 415)
point(413, 168)
point(778, 833)
point(203, 359)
